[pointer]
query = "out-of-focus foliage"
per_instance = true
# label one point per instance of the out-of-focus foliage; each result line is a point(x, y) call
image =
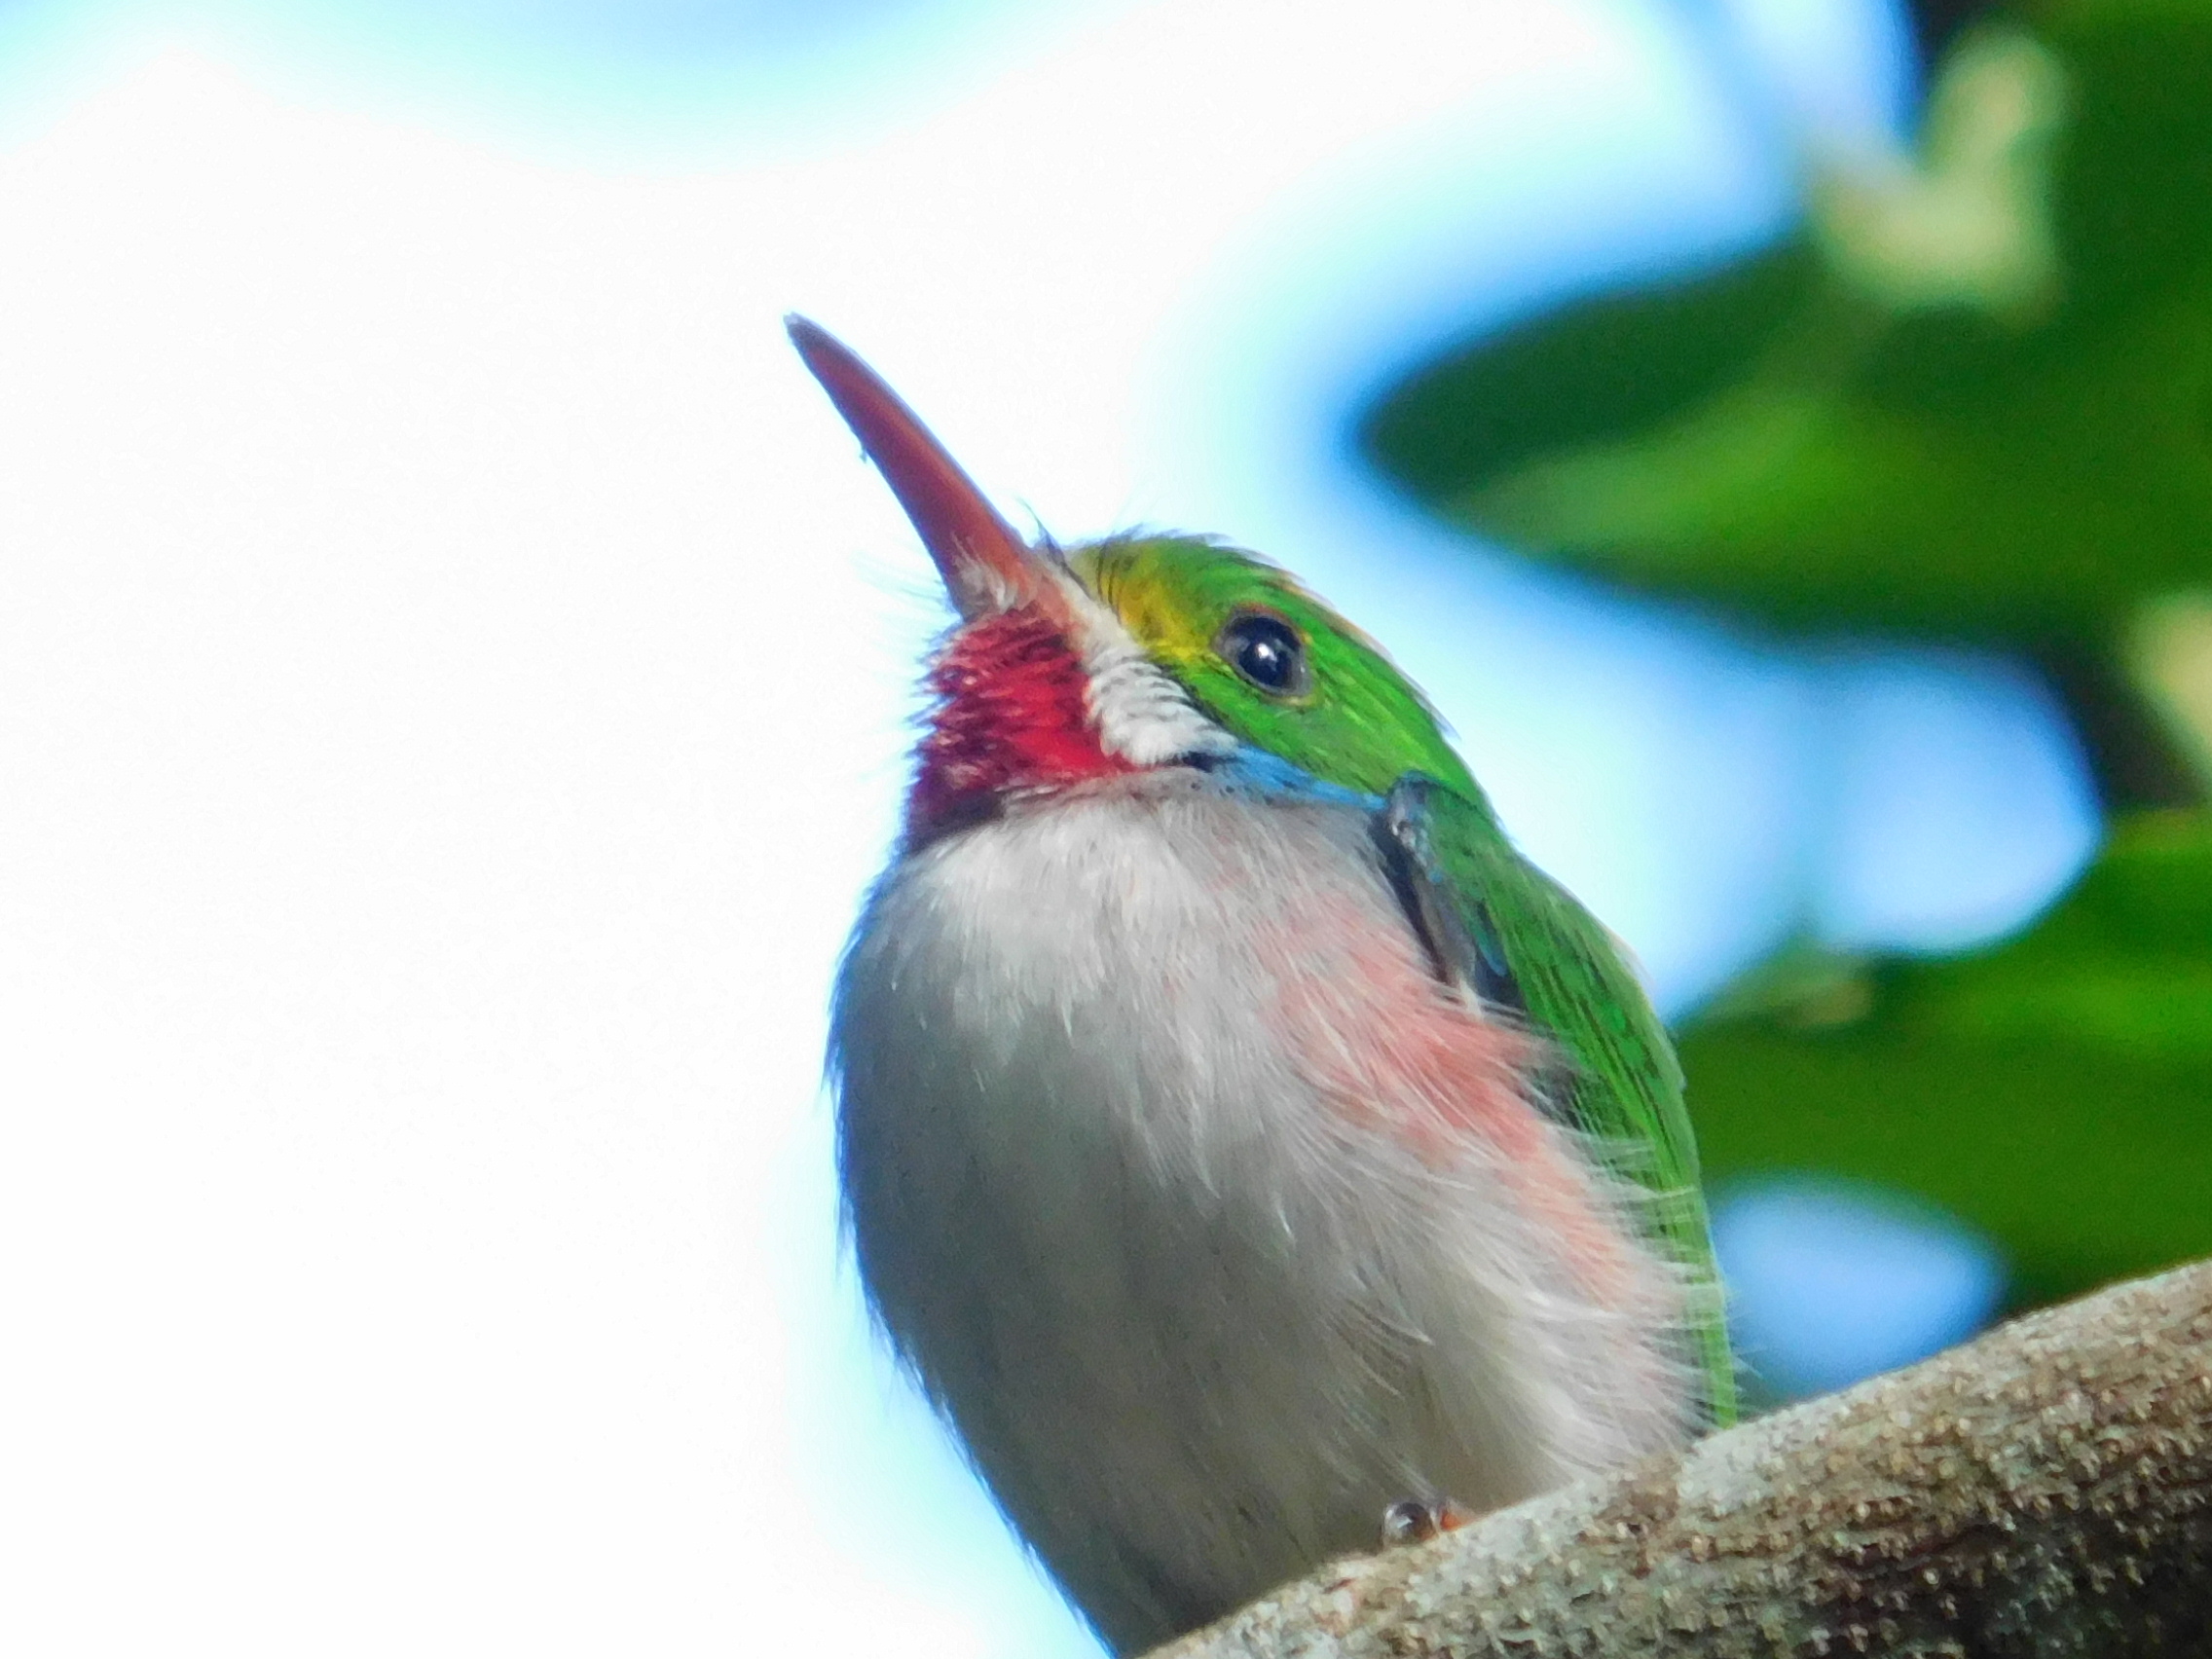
point(2055, 1091)
point(1794, 437)
point(1970, 399)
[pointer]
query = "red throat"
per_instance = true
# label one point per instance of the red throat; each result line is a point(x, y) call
point(1011, 715)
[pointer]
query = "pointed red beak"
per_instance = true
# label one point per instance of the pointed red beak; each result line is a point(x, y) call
point(986, 567)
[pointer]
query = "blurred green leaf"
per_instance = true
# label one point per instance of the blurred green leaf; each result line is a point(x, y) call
point(1781, 438)
point(2055, 1091)
point(1935, 23)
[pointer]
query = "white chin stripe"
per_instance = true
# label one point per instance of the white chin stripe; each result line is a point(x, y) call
point(1141, 713)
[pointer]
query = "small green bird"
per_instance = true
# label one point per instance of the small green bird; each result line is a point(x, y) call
point(1238, 1136)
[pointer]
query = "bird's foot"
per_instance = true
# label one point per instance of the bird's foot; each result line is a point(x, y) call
point(1417, 1519)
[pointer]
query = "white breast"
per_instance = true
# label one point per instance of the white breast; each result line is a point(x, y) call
point(1210, 1221)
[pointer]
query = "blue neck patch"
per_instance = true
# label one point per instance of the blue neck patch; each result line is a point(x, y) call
point(1256, 771)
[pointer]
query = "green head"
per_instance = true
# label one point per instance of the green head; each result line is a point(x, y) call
point(1125, 654)
point(1268, 662)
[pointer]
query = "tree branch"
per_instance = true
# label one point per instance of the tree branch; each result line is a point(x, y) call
point(2044, 1490)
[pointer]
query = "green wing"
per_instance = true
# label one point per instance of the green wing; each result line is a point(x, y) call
point(1518, 939)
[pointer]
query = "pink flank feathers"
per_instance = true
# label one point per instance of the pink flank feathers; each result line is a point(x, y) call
point(1383, 1042)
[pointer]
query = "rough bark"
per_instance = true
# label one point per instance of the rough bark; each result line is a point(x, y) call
point(2044, 1490)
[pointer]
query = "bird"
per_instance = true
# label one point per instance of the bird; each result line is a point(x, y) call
point(1240, 1141)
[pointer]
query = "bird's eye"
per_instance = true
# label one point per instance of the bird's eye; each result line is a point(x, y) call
point(1265, 650)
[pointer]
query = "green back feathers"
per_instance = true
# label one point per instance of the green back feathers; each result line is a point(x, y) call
point(1625, 1086)
point(1357, 722)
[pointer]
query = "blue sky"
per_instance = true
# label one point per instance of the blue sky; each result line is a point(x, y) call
point(454, 681)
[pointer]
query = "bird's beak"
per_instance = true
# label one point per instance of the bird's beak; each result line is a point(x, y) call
point(987, 569)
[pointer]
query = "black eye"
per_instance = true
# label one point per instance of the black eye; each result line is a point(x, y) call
point(1265, 650)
